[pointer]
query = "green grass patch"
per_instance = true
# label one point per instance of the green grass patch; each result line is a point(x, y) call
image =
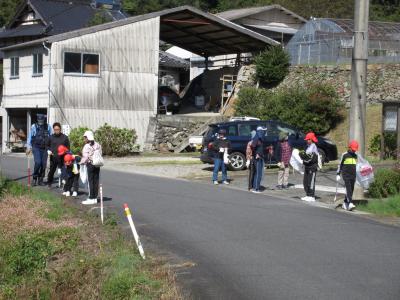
point(55, 209)
point(383, 207)
point(70, 255)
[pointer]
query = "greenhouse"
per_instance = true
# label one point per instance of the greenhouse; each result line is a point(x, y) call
point(330, 41)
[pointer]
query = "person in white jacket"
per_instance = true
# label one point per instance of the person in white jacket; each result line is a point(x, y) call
point(93, 171)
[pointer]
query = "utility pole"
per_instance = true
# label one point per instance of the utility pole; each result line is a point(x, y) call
point(359, 79)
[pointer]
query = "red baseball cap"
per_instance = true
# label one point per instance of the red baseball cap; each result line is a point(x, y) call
point(311, 137)
point(61, 150)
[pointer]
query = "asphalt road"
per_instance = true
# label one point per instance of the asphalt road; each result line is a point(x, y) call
point(248, 246)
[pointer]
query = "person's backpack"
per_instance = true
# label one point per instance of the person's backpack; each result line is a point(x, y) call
point(98, 160)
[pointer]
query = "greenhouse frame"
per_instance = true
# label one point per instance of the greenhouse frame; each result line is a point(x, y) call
point(330, 41)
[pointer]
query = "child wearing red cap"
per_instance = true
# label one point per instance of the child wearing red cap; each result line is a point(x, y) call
point(71, 175)
point(310, 162)
point(347, 168)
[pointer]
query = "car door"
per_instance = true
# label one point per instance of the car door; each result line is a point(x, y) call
point(233, 137)
point(245, 131)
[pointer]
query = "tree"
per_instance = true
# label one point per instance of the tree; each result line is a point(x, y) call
point(7, 11)
point(100, 17)
point(272, 66)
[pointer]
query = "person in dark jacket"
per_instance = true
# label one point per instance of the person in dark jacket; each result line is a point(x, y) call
point(250, 162)
point(56, 139)
point(219, 147)
point(71, 175)
point(37, 144)
point(283, 154)
point(310, 162)
point(347, 169)
point(258, 156)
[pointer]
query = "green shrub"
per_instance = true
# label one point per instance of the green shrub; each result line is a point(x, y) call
point(390, 145)
point(272, 66)
point(76, 139)
point(116, 141)
point(314, 106)
point(386, 183)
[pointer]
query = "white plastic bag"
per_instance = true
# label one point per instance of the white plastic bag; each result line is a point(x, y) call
point(226, 157)
point(296, 162)
point(83, 174)
point(364, 172)
point(320, 165)
point(75, 169)
point(98, 160)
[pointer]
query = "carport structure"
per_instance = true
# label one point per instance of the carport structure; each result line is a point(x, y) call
point(208, 35)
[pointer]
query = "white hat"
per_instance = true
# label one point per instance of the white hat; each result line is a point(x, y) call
point(261, 128)
point(89, 135)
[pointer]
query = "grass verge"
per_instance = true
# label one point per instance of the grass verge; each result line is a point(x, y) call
point(51, 250)
point(383, 207)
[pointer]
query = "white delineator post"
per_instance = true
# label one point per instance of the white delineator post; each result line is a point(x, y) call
point(135, 234)
point(101, 204)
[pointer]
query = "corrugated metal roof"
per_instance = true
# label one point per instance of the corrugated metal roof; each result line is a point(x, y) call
point(187, 27)
point(235, 14)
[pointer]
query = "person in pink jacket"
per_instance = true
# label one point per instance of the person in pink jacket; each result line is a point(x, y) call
point(93, 171)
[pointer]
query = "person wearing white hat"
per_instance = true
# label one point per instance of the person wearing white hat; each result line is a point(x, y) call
point(93, 171)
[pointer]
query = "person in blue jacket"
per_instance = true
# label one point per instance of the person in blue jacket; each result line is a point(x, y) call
point(37, 144)
point(258, 155)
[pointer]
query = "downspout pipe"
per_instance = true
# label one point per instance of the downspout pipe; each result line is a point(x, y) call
point(49, 83)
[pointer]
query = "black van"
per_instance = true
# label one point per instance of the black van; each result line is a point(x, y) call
point(239, 134)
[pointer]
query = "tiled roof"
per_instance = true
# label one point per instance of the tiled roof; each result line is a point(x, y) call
point(172, 61)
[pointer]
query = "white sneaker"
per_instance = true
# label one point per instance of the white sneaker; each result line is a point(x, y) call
point(351, 206)
point(64, 193)
point(304, 198)
point(225, 182)
point(74, 194)
point(89, 201)
point(310, 199)
point(215, 182)
point(255, 192)
point(67, 194)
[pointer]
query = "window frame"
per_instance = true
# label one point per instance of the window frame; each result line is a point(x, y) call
point(12, 67)
point(82, 74)
point(37, 74)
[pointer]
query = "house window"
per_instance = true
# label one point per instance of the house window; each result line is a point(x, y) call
point(81, 63)
point(14, 70)
point(37, 64)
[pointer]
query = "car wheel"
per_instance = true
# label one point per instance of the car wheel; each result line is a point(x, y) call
point(323, 155)
point(237, 161)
